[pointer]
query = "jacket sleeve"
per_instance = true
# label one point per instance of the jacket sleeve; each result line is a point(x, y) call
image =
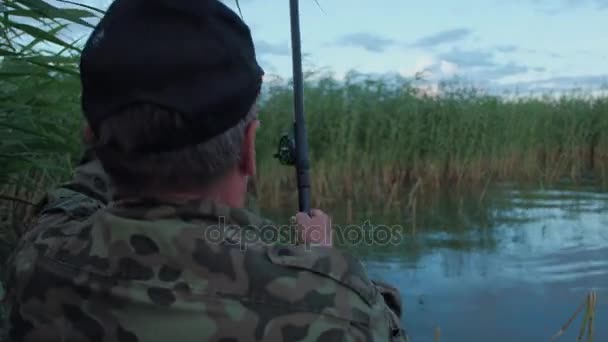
point(391, 296)
point(394, 304)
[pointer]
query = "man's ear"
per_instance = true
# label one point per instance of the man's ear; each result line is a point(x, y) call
point(88, 135)
point(248, 165)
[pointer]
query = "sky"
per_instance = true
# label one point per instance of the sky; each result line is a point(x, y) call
point(497, 44)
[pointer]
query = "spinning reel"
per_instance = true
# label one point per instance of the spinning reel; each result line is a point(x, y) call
point(286, 152)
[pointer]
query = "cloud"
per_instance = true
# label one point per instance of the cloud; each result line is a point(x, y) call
point(501, 71)
point(555, 55)
point(263, 47)
point(575, 81)
point(492, 73)
point(468, 58)
point(552, 7)
point(475, 65)
point(448, 69)
point(555, 7)
point(480, 64)
point(443, 37)
point(561, 83)
point(368, 41)
point(511, 48)
point(598, 4)
point(422, 64)
point(507, 48)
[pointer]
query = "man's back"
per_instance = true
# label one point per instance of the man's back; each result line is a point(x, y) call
point(151, 271)
point(169, 93)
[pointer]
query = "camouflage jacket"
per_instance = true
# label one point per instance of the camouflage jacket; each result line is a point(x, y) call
point(143, 270)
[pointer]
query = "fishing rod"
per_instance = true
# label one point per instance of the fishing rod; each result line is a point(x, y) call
point(294, 151)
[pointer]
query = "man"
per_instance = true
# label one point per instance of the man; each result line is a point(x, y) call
point(169, 90)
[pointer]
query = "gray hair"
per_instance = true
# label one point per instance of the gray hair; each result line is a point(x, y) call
point(180, 170)
point(224, 151)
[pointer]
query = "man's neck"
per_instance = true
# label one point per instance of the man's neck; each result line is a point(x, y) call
point(230, 191)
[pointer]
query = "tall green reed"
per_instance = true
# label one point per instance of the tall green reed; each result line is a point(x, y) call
point(370, 136)
point(39, 92)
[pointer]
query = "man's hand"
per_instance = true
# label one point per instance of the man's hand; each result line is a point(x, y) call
point(315, 230)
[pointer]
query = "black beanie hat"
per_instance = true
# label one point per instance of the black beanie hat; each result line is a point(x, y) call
point(194, 57)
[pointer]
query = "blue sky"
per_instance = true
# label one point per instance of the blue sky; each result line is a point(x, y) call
point(553, 44)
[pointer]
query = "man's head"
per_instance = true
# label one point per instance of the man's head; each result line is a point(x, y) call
point(169, 91)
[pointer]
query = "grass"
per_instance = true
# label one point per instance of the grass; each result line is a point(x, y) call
point(39, 94)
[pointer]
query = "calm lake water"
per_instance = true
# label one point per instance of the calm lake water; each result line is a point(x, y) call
point(513, 269)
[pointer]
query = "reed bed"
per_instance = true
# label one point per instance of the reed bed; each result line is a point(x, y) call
point(369, 139)
point(377, 138)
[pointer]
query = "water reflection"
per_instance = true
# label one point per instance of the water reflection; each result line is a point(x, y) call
point(511, 269)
